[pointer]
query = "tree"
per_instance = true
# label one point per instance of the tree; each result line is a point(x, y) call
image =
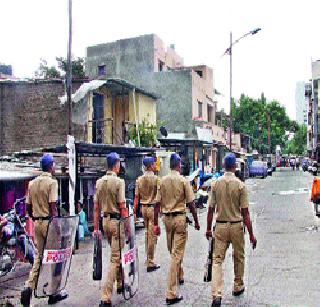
point(77, 66)
point(48, 72)
point(298, 145)
point(250, 116)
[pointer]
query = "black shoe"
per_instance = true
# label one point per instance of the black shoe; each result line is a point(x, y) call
point(53, 299)
point(238, 293)
point(172, 301)
point(105, 304)
point(26, 295)
point(153, 268)
point(216, 302)
point(119, 291)
point(181, 281)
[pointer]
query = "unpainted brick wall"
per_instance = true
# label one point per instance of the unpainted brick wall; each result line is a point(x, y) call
point(31, 115)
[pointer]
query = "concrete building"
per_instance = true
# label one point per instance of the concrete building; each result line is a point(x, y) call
point(301, 104)
point(187, 96)
point(310, 119)
point(315, 108)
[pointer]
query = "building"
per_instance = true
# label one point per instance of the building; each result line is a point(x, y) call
point(187, 96)
point(187, 105)
point(310, 119)
point(301, 105)
point(315, 108)
point(5, 71)
point(32, 115)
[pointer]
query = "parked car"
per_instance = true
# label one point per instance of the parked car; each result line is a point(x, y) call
point(258, 169)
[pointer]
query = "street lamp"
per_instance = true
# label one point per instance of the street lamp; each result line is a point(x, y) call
point(229, 52)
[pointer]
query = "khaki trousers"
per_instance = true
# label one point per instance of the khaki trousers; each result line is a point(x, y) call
point(151, 239)
point(176, 229)
point(226, 233)
point(114, 237)
point(40, 233)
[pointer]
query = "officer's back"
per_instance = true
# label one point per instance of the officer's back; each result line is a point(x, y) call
point(229, 193)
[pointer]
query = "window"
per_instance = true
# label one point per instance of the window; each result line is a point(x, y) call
point(200, 73)
point(210, 115)
point(102, 71)
point(200, 109)
point(160, 65)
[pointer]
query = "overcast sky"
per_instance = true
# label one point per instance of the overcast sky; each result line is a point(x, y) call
point(271, 61)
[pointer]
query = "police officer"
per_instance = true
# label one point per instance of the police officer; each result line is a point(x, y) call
point(174, 194)
point(229, 198)
point(110, 199)
point(41, 206)
point(146, 192)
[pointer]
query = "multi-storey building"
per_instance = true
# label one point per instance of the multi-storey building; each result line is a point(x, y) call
point(315, 106)
point(301, 104)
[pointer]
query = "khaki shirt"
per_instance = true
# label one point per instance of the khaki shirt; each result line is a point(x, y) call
point(146, 188)
point(174, 193)
point(110, 191)
point(42, 191)
point(229, 195)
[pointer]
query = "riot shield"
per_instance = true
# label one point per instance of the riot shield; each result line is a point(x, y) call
point(56, 255)
point(129, 258)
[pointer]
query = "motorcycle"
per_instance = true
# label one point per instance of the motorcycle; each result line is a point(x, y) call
point(15, 244)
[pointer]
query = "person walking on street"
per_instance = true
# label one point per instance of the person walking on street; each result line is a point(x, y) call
point(41, 204)
point(146, 192)
point(110, 199)
point(229, 199)
point(174, 194)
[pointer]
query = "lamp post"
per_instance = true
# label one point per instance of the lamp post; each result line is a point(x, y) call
point(229, 52)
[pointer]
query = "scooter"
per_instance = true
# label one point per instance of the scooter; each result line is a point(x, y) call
point(15, 244)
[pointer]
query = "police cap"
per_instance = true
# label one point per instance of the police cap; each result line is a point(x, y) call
point(46, 161)
point(230, 160)
point(112, 159)
point(174, 160)
point(147, 161)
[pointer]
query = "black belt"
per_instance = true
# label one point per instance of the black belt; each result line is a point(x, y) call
point(45, 218)
point(173, 213)
point(114, 216)
point(225, 222)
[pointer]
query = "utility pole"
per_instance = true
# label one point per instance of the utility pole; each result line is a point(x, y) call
point(269, 131)
point(69, 70)
point(230, 118)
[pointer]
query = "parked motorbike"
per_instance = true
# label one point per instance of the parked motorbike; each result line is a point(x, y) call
point(15, 244)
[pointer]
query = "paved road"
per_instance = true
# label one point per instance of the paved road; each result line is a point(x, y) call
point(282, 271)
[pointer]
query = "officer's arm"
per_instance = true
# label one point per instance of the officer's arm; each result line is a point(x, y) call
point(247, 221)
point(96, 215)
point(122, 200)
point(29, 202)
point(211, 210)
point(53, 197)
point(136, 199)
point(96, 209)
point(193, 211)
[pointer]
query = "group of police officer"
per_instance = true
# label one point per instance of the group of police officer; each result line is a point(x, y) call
point(170, 196)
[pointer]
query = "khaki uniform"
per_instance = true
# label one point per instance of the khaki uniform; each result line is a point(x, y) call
point(229, 195)
point(109, 193)
point(174, 193)
point(41, 191)
point(146, 190)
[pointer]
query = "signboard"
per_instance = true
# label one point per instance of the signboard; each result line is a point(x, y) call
point(204, 134)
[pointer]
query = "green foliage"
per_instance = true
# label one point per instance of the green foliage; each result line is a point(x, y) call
point(250, 116)
point(298, 145)
point(48, 72)
point(148, 134)
point(77, 66)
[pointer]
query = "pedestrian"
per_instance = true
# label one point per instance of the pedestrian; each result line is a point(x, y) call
point(41, 206)
point(229, 199)
point(110, 199)
point(315, 195)
point(174, 194)
point(145, 193)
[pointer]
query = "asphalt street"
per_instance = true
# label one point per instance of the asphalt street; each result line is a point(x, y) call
point(282, 271)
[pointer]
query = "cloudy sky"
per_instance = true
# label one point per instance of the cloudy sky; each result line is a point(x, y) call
point(271, 61)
